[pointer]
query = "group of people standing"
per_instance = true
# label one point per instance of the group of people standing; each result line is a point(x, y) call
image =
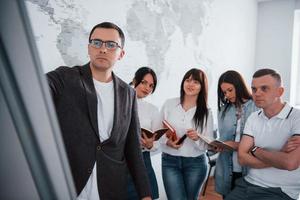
point(184, 165)
point(101, 118)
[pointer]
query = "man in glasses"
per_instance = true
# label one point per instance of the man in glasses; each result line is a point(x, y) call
point(99, 122)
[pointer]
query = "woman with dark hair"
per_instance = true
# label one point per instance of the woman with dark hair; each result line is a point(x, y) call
point(234, 107)
point(144, 82)
point(184, 166)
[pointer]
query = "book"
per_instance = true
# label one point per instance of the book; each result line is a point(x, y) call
point(215, 142)
point(168, 126)
point(180, 141)
point(173, 134)
point(158, 133)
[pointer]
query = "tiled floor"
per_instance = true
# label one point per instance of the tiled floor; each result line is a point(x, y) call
point(210, 194)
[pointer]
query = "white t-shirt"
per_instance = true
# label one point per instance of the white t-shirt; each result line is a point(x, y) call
point(182, 120)
point(105, 116)
point(236, 166)
point(105, 107)
point(272, 134)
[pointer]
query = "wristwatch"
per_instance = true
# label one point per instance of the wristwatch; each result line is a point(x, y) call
point(253, 150)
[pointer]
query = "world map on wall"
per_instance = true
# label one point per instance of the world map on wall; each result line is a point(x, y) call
point(154, 25)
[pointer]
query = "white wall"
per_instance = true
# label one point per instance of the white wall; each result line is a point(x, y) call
point(229, 42)
point(295, 71)
point(274, 38)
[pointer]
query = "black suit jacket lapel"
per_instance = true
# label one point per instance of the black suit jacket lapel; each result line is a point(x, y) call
point(91, 97)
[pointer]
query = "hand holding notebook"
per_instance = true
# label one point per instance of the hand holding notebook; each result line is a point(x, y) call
point(215, 142)
point(171, 134)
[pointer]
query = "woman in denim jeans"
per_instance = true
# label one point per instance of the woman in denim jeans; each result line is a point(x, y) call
point(184, 166)
point(234, 107)
point(144, 83)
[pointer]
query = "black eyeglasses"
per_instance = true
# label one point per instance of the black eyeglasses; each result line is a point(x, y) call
point(110, 45)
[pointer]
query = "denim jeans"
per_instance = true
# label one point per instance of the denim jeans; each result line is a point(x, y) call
point(131, 191)
point(247, 191)
point(183, 176)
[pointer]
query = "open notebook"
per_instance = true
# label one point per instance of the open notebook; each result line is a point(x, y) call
point(158, 133)
point(215, 142)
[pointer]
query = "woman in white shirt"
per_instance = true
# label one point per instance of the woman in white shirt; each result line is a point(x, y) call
point(184, 166)
point(144, 82)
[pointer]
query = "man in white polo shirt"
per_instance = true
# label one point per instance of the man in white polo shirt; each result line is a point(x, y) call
point(268, 132)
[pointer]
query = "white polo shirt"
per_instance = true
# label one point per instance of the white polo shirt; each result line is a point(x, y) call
point(182, 120)
point(272, 134)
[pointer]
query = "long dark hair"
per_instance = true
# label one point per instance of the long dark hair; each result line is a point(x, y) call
point(139, 75)
point(201, 114)
point(242, 92)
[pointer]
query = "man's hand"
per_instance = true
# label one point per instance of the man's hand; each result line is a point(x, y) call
point(292, 144)
point(279, 159)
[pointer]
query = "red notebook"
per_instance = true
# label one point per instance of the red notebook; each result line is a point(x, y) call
point(173, 134)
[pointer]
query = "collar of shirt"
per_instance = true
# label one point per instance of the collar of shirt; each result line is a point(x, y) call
point(283, 114)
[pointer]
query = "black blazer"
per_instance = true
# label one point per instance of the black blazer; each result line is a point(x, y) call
point(75, 101)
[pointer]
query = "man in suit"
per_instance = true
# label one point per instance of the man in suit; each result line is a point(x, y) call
point(99, 122)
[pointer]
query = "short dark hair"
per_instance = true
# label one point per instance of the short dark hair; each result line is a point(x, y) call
point(241, 89)
point(141, 73)
point(267, 71)
point(109, 25)
point(201, 114)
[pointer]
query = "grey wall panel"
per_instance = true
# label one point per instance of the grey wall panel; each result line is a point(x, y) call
point(15, 177)
point(29, 113)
